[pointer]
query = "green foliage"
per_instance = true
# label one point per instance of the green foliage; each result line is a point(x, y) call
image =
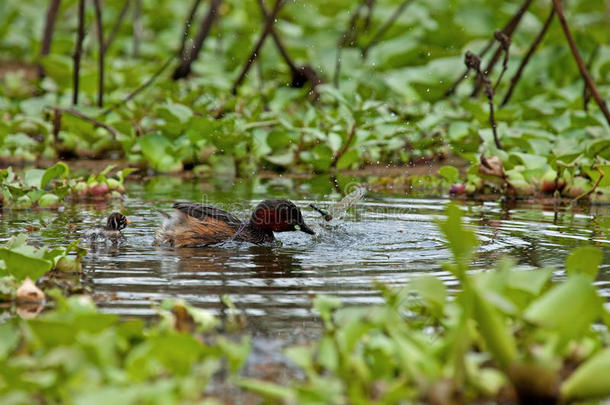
point(20, 260)
point(49, 188)
point(76, 354)
point(388, 108)
point(504, 328)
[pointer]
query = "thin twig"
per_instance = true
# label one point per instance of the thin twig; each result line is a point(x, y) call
point(385, 27)
point(515, 79)
point(87, 118)
point(56, 127)
point(184, 68)
point(137, 28)
point(347, 37)
point(277, 40)
point(473, 62)
point(586, 93)
point(187, 27)
point(346, 145)
point(370, 4)
point(505, 46)
point(300, 74)
point(100, 41)
point(47, 34)
point(464, 75)
point(508, 31)
point(584, 72)
point(255, 51)
point(140, 88)
point(80, 35)
point(117, 24)
point(599, 180)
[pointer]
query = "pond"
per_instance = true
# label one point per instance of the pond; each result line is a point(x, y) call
point(384, 238)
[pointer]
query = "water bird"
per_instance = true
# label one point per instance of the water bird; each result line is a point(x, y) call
point(114, 224)
point(195, 224)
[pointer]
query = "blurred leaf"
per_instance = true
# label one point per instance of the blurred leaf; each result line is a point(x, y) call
point(584, 260)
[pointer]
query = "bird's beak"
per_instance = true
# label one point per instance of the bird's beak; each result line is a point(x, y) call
point(304, 228)
point(127, 221)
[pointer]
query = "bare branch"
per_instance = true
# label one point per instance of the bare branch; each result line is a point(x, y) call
point(184, 68)
point(584, 72)
point(100, 41)
point(187, 27)
point(117, 25)
point(515, 79)
point(80, 35)
point(257, 47)
point(385, 27)
point(137, 28)
point(47, 34)
point(58, 111)
point(345, 147)
point(140, 88)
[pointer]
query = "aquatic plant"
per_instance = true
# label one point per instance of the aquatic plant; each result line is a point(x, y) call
point(20, 261)
point(507, 334)
point(373, 86)
point(75, 354)
point(49, 188)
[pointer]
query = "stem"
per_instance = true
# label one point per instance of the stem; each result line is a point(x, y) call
point(80, 35)
point(586, 93)
point(117, 25)
point(87, 118)
point(254, 54)
point(515, 79)
point(343, 149)
point(348, 37)
point(187, 27)
point(184, 68)
point(47, 34)
point(505, 46)
point(100, 40)
point(140, 88)
point(137, 28)
point(599, 180)
point(508, 30)
point(584, 72)
point(385, 27)
point(277, 40)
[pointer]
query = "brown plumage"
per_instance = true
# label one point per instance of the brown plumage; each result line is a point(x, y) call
point(194, 224)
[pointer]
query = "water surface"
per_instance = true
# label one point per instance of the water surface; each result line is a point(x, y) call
point(384, 238)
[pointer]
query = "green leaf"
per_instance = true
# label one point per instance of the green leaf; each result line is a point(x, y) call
point(568, 308)
point(348, 159)
point(432, 291)
point(157, 150)
point(33, 178)
point(9, 339)
point(495, 331)
point(60, 169)
point(48, 200)
point(22, 265)
point(590, 380)
point(584, 260)
point(462, 241)
point(449, 173)
point(266, 389)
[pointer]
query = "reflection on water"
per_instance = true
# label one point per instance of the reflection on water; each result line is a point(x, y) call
point(384, 238)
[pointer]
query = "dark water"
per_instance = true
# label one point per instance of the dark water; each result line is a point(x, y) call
point(388, 239)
